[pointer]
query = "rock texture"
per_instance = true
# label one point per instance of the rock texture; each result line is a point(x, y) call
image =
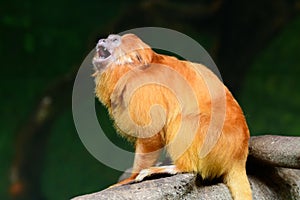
point(277, 151)
point(273, 171)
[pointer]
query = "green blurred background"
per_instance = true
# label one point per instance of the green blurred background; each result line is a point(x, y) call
point(255, 44)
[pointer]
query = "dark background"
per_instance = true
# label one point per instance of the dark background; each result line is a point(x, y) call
point(255, 44)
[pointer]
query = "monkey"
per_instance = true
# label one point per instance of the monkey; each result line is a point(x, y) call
point(158, 101)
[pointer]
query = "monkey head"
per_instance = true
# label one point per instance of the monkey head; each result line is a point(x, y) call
point(118, 50)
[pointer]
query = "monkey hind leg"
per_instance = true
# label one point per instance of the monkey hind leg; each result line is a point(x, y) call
point(170, 169)
point(237, 181)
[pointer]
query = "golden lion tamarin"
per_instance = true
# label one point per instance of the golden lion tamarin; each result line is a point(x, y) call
point(158, 102)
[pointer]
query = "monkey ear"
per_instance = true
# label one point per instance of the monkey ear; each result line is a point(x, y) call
point(143, 64)
point(139, 58)
point(144, 58)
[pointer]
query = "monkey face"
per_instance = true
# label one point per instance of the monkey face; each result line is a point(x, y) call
point(105, 50)
point(121, 50)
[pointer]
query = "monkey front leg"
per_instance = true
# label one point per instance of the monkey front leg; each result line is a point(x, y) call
point(147, 151)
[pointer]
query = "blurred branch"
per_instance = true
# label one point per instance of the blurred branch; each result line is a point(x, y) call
point(297, 6)
point(31, 140)
point(242, 29)
point(246, 28)
point(194, 10)
point(169, 14)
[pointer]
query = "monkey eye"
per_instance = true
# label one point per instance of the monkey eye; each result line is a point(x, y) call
point(114, 38)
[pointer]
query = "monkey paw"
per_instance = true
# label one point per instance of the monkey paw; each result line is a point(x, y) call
point(171, 169)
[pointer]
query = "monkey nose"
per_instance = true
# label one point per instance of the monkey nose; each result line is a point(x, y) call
point(102, 41)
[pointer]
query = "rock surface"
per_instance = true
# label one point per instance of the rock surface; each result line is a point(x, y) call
point(268, 179)
point(277, 151)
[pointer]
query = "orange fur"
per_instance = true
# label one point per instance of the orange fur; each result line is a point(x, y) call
point(132, 63)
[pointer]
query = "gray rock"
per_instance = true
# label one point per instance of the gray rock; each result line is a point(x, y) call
point(277, 151)
point(268, 181)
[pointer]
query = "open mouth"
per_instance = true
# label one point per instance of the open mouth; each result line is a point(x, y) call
point(103, 53)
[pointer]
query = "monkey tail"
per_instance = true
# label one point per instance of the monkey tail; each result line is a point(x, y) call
point(238, 184)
